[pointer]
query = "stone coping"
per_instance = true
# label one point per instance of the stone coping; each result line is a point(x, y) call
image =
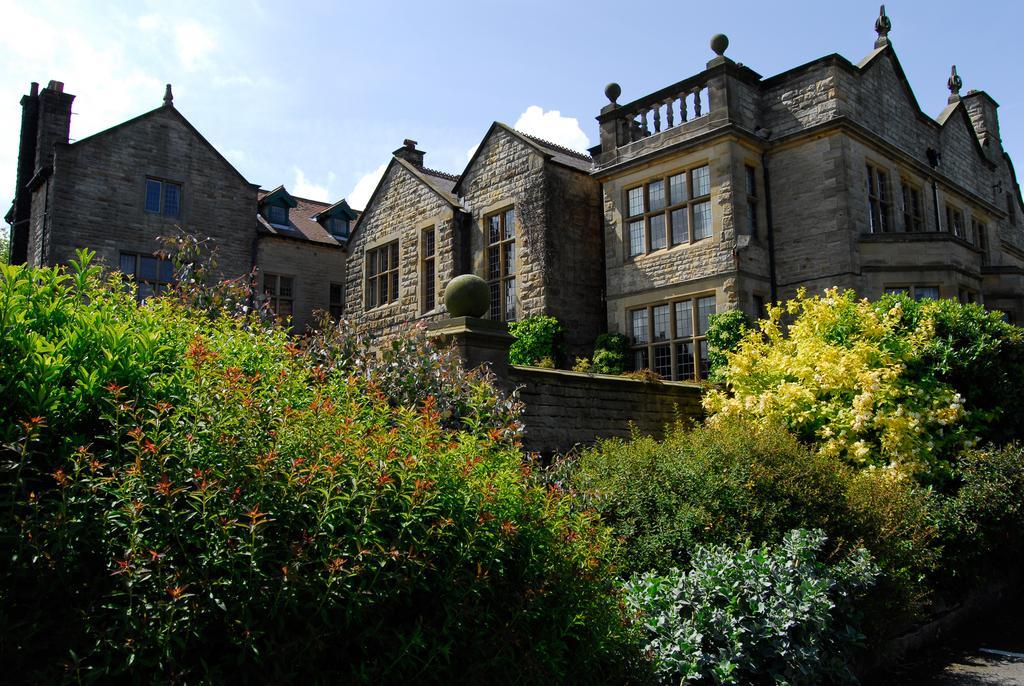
point(565, 373)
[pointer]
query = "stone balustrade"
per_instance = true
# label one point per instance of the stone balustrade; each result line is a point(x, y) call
point(660, 111)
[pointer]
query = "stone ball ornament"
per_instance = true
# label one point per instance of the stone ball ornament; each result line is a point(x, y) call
point(612, 91)
point(467, 296)
point(719, 43)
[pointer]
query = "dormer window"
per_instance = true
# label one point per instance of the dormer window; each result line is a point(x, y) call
point(274, 207)
point(338, 226)
point(337, 220)
point(276, 214)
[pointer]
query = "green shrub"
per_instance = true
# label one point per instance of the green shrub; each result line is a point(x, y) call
point(725, 331)
point(769, 615)
point(891, 514)
point(981, 519)
point(536, 338)
point(977, 353)
point(611, 353)
point(194, 498)
point(702, 485)
point(740, 480)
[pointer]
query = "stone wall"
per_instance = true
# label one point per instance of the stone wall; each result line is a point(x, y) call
point(575, 279)
point(564, 409)
point(99, 189)
point(559, 264)
point(706, 265)
point(403, 207)
point(313, 268)
point(509, 174)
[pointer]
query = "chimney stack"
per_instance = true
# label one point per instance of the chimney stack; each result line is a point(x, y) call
point(409, 153)
point(54, 122)
point(26, 169)
point(982, 110)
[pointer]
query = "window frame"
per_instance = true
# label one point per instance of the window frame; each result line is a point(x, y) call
point(957, 229)
point(668, 208)
point(336, 306)
point(750, 181)
point(504, 283)
point(980, 231)
point(270, 212)
point(912, 290)
point(163, 186)
point(697, 337)
point(913, 221)
point(374, 276)
point(879, 199)
point(275, 298)
point(428, 269)
point(157, 284)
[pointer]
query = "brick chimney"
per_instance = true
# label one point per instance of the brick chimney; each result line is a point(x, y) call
point(409, 153)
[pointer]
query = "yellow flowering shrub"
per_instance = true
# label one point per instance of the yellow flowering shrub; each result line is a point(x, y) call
point(850, 377)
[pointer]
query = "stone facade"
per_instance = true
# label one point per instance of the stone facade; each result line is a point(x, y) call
point(314, 268)
point(724, 190)
point(789, 159)
point(546, 193)
point(408, 204)
point(118, 191)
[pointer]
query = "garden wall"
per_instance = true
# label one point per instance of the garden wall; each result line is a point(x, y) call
point(565, 408)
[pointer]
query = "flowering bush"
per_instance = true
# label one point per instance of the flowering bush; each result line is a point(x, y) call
point(769, 615)
point(874, 383)
point(192, 497)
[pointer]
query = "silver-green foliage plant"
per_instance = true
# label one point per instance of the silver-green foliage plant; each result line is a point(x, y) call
point(753, 615)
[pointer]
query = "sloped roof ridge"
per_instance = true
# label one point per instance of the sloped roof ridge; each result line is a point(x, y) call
point(438, 172)
point(555, 146)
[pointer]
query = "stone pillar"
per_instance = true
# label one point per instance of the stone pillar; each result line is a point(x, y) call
point(478, 341)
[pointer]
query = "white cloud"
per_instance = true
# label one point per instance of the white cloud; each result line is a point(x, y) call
point(194, 43)
point(148, 22)
point(471, 152)
point(364, 187)
point(306, 188)
point(552, 126)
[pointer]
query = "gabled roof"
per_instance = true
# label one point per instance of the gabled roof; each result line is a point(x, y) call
point(167, 109)
point(875, 57)
point(302, 224)
point(438, 182)
point(339, 208)
point(551, 152)
point(871, 61)
point(278, 195)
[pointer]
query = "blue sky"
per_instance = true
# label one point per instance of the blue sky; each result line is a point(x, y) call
point(316, 95)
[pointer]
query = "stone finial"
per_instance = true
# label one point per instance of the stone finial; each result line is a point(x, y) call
point(883, 25)
point(168, 96)
point(955, 83)
point(719, 43)
point(467, 296)
point(612, 91)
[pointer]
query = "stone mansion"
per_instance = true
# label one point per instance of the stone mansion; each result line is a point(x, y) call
point(724, 190)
